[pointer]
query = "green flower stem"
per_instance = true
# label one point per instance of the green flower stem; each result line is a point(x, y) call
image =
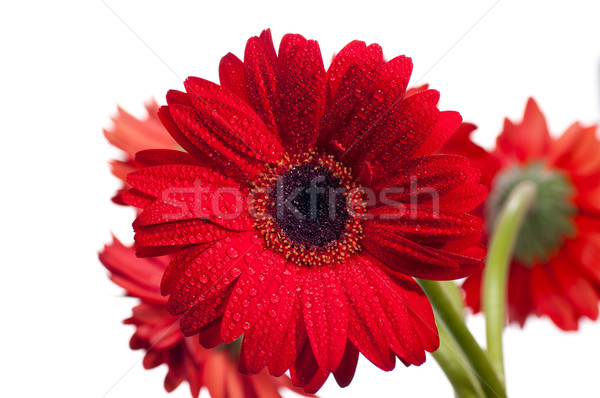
point(454, 322)
point(452, 362)
point(454, 294)
point(504, 237)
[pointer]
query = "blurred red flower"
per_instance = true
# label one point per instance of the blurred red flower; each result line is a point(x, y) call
point(132, 135)
point(555, 269)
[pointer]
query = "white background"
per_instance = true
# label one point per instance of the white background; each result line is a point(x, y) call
point(66, 65)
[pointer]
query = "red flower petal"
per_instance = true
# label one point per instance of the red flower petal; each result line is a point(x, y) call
point(192, 375)
point(231, 75)
point(422, 180)
point(293, 342)
point(187, 193)
point(548, 301)
point(419, 311)
point(140, 277)
point(424, 226)
point(306, 372)
point(267, 41)
point(182, 233)
point(195, 146)
point(460, 143)
point(219, 264)
point(137, 198)
point(400, 132)
point(400, 311)
point(519, 293)
point(345, 372)
point(325, 315)
point(472, 289)
point(155, 180)
point(210, 334)
point(132, 135)
point(264, 388)
point(261, 81)
point(354, 54)
point(446, 125)
point(120, 169)
point(232, 121)
point(365, 329)
point(301, 84)
point(577, 151)
point(584, 254)
point(158, 157)
point(350, 76)
point(261, 308)
point(177, 265)
point(407, 257)
point(317, 381)
point(196, 129)
point(575, 287)
point(414, 90)
point(376, 106)
point(466, 197)
point(528, 140)
point(152, 359)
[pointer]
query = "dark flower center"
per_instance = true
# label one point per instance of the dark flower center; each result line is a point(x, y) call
point(306, 207)
point(550, 220)
point(310, 206)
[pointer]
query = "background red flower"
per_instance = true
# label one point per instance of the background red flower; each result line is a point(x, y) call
point(132, 135)
point(561, 281)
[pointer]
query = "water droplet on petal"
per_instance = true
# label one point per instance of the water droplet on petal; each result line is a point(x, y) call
point(232, 252)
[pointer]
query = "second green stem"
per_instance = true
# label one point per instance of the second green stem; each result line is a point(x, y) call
point(494, 287)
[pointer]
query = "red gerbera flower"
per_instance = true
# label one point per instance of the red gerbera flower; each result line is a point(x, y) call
point(555, 271)
point(266, 213)
point(159, 335)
